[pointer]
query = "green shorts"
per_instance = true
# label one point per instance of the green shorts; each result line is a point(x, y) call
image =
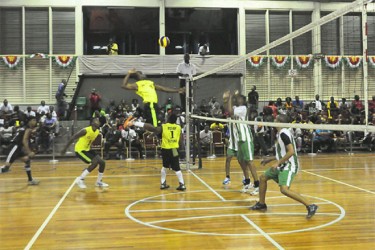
point(283, 178)
point(231, 152)
point(245, 151)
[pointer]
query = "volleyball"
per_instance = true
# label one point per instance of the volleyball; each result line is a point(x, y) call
point(164, 41)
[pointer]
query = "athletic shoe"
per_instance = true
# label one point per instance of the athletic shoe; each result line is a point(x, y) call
point(226, 181)
point(126, 123)
point(80, 183)
point(311, 210)
point(33, 182)
point(181, 187)
point(259, 206)
point(243, 180)
point(164, 185)
point(255, 191)
point(247, 188)
point(101, 184)
point(4, 169)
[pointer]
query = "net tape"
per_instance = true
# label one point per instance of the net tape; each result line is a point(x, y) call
point(333, 127)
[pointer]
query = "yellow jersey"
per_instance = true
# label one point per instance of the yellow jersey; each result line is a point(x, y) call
point(170, 135)
point(84, 142)
point(146, 90)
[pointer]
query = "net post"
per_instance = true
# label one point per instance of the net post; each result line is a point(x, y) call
point(312, 145)
point(130, 149)
point(187, 105)
point(53, 161)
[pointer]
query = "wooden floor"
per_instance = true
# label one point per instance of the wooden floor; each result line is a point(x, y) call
point(133, 213)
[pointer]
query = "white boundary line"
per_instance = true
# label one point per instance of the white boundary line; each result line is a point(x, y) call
point(46, 221)
point(340, 182)
point(269, 238)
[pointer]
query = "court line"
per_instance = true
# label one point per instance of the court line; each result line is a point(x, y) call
point(46, 221)
point(340, 182)
point(205, 184)
point(208, 208)
point(269, 238)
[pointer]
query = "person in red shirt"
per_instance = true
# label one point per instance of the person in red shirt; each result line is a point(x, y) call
point(95, 99)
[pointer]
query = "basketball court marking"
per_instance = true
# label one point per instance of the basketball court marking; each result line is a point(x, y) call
point(46, 221)
point(340, 182)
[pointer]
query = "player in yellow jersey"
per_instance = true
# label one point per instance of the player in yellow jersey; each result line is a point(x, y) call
point(147, 90)
point(82, 149)
point(171, 139)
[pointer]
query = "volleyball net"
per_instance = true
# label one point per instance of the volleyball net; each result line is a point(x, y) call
point(331, 56)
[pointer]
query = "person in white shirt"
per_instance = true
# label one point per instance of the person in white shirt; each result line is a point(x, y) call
point(204, 50)
point(205, 136)
point(186, 70)
point(131, 138)
point(43, 108)
point(29, 112)
point(6, 108)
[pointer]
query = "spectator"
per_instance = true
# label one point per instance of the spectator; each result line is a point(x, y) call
point(333, 108)
point(204, 50)
point(113, 138)
point(298, 104)
point(29, 112)
point(371, 106)
point(6, 108)
point(253, 98)
point(111, 107)
point(318, 104)
point(357, 110)
point(130, 137)
point(185, 71)
point(6, 135)
point(343, 104)
point(112, 47)
point(259, 135)
point(60, 100)
point(17, 118)
point(288, 105)
point(95, 99)
point(135, 105)
point(205, 137)
point(217, 126)
point(43, 108)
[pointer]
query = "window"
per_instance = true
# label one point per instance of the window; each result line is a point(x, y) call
point(255, 31)
point(10, 31)
point(188, 28)
point(135, 30)
point(302, 45)
point(352, 35)
point(330, 38)
point(279, 27)
point(36, 30)
point(63, 21)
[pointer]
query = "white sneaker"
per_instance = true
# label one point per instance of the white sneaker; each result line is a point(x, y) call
point(247, 188)
point(255, 191)
point(101, 184)
point(226, 181)
point(80, 183)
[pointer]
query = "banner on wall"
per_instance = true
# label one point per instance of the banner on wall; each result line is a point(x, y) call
point(12, 61)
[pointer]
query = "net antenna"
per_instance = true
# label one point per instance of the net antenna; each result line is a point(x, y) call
point(326, 19)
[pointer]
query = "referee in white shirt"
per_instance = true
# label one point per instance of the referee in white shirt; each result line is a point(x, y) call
point(186, 70)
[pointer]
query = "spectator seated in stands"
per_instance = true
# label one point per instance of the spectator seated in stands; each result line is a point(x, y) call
point(288, 105)
point(217, 126)
point(47, 131)
point(6, 109)
point(205, 137)
point(6, 135)
point(130, 137)
point(323, 138)
point(113, 138)
point(217, 111)
point(43, 108)
point(17, 118)
point(298, 104)
point(357, 110)
point(332, 108)
point(101, 115)
point(30, 112)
